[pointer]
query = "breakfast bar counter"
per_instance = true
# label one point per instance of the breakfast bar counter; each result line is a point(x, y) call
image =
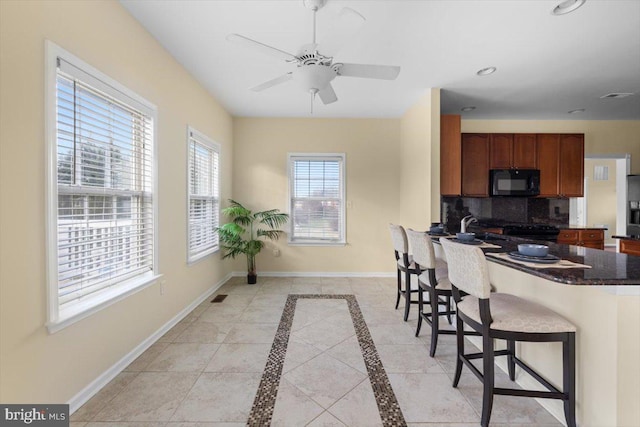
point(603, 302)
point(606, 268)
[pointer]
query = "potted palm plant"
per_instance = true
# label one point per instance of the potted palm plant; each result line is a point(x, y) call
point(245, 233)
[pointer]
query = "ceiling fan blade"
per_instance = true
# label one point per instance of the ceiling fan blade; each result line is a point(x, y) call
point(266, 85)
point(384, 72)
point(328, 95)
point(266, 49)
point(339, 30)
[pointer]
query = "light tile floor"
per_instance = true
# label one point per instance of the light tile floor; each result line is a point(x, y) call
point(206, 370)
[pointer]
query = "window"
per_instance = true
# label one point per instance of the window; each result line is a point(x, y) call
point(101, 190)
point(204, 195)
point(316, 188)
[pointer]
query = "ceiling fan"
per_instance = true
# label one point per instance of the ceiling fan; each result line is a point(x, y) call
point(314, 71)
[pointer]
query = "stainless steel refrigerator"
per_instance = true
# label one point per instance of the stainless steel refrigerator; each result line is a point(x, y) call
point(633, 205)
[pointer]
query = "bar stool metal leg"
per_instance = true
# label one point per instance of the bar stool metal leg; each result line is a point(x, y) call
point(407, 294)
point(460, 350)
point(511, 347)
point(487, 377)
point(435, 320)
point(420, 308)
point(569, 378)
point(399, 288)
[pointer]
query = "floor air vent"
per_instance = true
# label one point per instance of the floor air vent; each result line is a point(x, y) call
point(219, 298)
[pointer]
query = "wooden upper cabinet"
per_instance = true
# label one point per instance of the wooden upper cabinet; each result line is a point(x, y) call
point(548, 153)
point(450, 155)
point(524, 151)
point(571, 165)
point(509, 151)
point(501, 151)
point(475, 161)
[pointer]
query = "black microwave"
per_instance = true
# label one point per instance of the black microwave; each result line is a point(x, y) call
point(514, 182)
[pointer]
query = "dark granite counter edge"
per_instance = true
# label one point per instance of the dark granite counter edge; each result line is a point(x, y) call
point(546, 273)
point(562, 276)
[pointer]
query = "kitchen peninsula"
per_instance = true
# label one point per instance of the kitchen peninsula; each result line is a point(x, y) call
point(603, 301)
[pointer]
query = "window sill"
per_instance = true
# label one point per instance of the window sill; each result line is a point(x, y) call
point(303, 243)
point(199, 257)
point(103, 299)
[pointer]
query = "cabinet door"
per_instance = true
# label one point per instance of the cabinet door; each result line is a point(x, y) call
point(524, 151)
point(548, 156)
point(501, 151)
point(572, 165)
point(475, 164)
point(592, 238)
point(568, 237)
point(631, 247)
point(450, 156)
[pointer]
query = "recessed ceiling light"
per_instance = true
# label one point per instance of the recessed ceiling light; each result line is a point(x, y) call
point(467, 108)
point(486, 71)
point(617, 95)
point(579, 110)
point(567, 6)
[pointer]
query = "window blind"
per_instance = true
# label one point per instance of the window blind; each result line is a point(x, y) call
point(204, 196)
point(104, 184)
point(317, 201)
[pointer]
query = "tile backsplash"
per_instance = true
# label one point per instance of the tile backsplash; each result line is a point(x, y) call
point(505, 209)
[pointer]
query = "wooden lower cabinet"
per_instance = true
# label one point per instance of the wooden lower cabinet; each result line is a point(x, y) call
point(631, 247)
point(588, 238)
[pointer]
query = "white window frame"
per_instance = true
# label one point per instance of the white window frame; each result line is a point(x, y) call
point(58, 319)
point(202, 139)
point(341, 157)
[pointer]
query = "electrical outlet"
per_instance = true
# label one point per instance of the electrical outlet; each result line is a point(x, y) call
point(276, 252)
point(162, 286)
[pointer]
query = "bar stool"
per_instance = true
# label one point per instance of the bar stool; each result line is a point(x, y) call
point(404, 264)
point(508, 317)
point(433, 280)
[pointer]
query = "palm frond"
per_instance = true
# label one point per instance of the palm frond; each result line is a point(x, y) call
point(270, 234)
point(254, 247)
point(272, 218)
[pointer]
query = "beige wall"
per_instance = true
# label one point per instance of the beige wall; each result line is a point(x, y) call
point(420, 162)
point(372, 182)
point(600, 137)
point(36, 366)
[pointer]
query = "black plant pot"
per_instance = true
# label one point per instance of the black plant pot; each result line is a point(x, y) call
point(252, 279)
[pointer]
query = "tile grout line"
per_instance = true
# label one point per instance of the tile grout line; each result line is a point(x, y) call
point(264, 403)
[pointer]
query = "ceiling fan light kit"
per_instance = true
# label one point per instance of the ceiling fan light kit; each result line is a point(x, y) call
point(314, 71)
point(567, 6)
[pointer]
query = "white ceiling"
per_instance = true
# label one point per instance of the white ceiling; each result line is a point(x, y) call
point(547, 65)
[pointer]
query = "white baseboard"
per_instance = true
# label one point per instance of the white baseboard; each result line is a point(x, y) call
point(103, 379)
point(315, 274)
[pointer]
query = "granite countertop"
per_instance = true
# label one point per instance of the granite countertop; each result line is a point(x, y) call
point(632, 237)
point(580, 227)
point(607, 268)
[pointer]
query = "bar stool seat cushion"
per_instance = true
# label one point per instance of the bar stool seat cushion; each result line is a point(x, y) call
point(512, 313)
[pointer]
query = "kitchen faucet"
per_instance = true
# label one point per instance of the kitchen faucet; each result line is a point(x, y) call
point(464, 223)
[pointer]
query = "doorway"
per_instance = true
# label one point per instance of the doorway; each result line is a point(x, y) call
point(605, 187)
